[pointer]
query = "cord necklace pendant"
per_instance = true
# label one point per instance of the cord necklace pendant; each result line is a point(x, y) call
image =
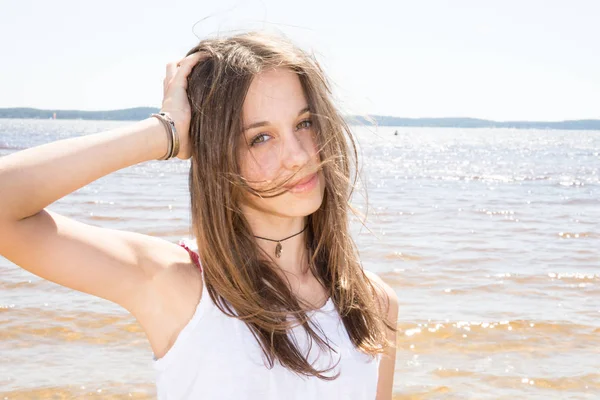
point(279, 247)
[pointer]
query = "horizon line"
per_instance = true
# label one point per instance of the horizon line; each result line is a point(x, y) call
point(362, 116)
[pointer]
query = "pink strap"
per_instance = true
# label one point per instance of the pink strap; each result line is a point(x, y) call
point(193, 255)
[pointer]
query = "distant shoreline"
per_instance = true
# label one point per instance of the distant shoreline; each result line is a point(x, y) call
point(139, 113)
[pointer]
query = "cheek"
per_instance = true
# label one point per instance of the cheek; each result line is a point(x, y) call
point(257, 171)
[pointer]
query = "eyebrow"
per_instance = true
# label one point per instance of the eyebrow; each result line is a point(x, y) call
point(265, 123)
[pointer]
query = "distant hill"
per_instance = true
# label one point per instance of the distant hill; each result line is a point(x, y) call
point(129, 114)
point(582, 124)
point(136, 114)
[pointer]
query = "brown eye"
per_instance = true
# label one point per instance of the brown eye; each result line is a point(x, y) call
point(307, 123)
point(257, 139)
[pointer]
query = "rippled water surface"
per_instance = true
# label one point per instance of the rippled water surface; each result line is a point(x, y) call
point(491, 238)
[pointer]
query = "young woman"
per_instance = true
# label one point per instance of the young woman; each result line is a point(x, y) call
point(270, 300)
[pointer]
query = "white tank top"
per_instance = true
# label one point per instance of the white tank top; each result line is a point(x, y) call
point(217, 357)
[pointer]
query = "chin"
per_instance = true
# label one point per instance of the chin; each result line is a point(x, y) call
point(302, 208)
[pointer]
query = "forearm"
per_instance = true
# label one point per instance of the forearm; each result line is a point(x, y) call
point(32, 179)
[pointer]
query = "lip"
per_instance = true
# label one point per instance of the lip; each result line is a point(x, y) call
point(305, 184)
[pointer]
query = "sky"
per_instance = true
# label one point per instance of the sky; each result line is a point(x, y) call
point(492, 59)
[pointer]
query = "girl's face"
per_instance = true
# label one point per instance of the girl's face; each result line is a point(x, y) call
point(278, 139)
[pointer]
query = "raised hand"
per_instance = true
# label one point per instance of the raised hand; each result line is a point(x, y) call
point(175, 100)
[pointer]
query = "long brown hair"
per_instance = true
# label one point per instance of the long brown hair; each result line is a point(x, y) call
point(241, 281)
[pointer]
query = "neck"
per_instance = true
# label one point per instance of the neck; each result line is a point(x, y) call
point(294, 256)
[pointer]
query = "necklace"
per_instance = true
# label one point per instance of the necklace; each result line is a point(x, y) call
point(279, 248)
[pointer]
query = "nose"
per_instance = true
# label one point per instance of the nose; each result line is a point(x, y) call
point(297, 150)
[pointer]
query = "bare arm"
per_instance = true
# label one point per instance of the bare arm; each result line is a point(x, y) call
point(32, 179)
point(103, 262)
point(387, 366)
point(111, 264)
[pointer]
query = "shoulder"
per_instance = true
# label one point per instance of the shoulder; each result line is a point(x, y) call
point(171, 297)
point(386, 295)
point(182, 278)
point(177, 281)
point(385, 291)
